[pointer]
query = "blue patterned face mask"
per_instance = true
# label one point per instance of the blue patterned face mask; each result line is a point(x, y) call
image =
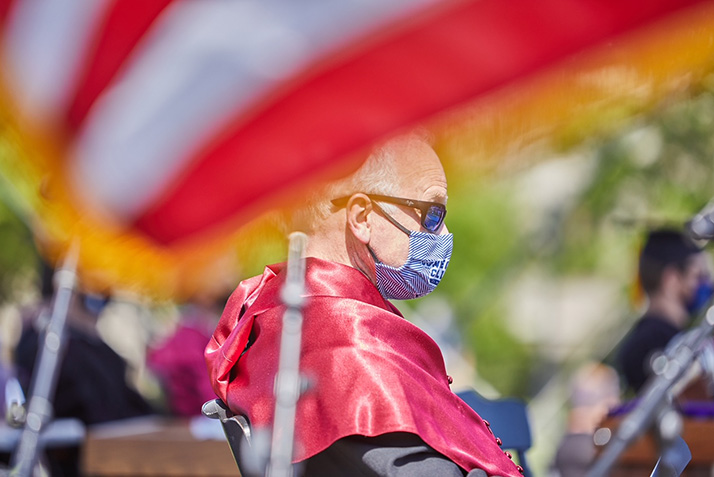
point(429, 255)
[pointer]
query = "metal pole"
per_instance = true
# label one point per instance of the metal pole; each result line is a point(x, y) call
point(669, 368)
point(288, 382)
point(46, 372)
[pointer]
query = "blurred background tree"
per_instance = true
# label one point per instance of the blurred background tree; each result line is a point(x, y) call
point(18, 257)
point(543, 275)
point(577, 214)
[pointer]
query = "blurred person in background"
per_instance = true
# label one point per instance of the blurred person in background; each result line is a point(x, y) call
point(380, 404)
point(10, 327)
point(177, 360)
point(595, 391)
point(92, 385)
point(675, 276)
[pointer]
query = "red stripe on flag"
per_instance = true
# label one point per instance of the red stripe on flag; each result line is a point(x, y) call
point(124, 25)
point(459, 53)
point(5, 6)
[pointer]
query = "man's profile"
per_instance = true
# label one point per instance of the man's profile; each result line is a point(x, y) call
point(380, 403)
point(675, 277)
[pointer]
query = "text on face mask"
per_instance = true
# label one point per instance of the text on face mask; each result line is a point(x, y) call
point(438, 268)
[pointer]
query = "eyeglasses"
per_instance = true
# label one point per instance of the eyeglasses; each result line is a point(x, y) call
point(432, 213)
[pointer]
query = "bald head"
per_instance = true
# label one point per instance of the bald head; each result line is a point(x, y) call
point(386, 171)
point(417, 169)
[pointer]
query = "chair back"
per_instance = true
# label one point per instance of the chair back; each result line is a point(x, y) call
point(238, 434)
point(508, 419)
point(674, 459)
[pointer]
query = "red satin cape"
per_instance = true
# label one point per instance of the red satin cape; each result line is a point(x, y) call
point(372, 371)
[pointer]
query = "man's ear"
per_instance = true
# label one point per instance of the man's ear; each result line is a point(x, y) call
point(359, 208)
point(671, 277)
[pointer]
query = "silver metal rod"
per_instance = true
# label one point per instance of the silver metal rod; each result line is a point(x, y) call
point(46, 372)
point(656, 395)
point(288, 382)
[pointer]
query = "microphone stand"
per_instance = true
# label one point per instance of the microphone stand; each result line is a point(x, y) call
point(46, 372)
point(288, 383)
point(654, 410)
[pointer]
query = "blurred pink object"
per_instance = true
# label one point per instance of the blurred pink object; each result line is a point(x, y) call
point(178, 363)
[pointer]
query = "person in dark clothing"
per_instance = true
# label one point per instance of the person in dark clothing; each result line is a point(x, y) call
point(675, 277)
point(92, 385)
point(651, 334)
point(92, 382)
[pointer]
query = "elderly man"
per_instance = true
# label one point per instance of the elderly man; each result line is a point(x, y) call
point(380, 403)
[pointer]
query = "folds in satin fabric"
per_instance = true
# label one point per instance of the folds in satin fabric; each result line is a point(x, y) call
point(372, 372)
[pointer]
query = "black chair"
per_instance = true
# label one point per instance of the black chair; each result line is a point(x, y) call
point(236, 427)
point(508, 419)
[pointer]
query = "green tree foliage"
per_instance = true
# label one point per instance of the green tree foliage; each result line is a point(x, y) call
point(655, 169)
point(18, 259)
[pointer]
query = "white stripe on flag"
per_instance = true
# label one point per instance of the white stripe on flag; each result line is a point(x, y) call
point(44, 47)
point(200, 64)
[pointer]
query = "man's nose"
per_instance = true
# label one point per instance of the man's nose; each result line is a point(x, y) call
point(444, 229)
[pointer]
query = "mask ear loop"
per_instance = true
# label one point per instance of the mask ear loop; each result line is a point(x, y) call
point(393, 221)
point(374, 255)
